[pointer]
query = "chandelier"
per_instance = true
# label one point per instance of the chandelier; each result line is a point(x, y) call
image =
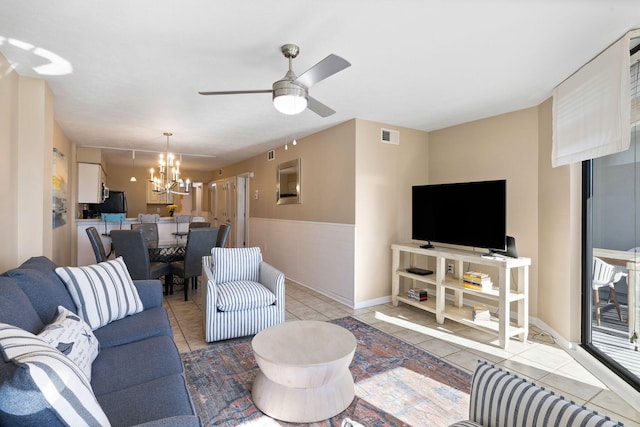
point(168, 180)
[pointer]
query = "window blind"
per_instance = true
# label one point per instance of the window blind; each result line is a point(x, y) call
point(635, 94)
point(592, 108)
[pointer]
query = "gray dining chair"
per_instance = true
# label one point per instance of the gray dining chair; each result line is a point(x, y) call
point(199, 224)
point(149, 231)
point(223, 234)
point(200, 241)
point(132, 247)
point(96, 244)
point(181, 231)
point(148, 217)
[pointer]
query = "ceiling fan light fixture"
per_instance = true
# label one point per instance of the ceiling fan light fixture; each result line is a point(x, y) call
point(289, 98)
point(290, 104)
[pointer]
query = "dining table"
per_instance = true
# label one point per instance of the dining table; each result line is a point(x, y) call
point(166, 251)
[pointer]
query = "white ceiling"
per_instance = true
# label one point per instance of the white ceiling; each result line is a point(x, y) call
point(123, 72)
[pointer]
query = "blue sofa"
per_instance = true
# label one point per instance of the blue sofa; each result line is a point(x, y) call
point(137, 377)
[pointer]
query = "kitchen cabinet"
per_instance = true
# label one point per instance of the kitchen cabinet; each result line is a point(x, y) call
point(91, 183)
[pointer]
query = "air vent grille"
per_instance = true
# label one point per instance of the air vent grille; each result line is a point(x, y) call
point(390, 136)
point(271, 155)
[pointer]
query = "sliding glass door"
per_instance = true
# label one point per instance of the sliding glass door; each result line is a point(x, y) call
point(611, 260)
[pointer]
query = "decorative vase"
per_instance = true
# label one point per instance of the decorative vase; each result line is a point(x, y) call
point(170, 213)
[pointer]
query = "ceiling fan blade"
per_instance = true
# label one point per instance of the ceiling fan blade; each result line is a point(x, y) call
point(323, 69)
point(236, 92)
point(319, 108)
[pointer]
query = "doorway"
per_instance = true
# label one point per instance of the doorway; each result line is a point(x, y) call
point(242, 235)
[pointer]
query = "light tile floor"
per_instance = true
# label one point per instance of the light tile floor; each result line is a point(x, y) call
point(539, 359)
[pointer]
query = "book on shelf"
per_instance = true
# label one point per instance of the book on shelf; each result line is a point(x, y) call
point(474, 276)
point(477, 281)
point(481, 287)
point(417, 294)
point(481, 312)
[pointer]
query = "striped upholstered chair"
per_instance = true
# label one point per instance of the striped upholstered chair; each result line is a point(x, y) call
point(501, 399)
point(243, 294)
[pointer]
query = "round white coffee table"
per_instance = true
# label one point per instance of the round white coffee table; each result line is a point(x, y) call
point(304, 370)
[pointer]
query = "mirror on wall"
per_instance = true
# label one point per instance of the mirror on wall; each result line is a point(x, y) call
point(288, 190)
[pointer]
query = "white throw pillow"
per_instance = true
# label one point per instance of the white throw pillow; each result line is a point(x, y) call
point(56, 378)
point(102, 292)
point(73, 338)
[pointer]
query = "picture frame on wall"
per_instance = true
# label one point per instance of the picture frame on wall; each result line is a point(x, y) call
point(59, 189)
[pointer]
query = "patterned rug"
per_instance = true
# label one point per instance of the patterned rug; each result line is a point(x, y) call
point(397, 384)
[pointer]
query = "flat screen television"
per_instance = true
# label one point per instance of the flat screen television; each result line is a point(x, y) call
point(115, 203)
point(467, 214)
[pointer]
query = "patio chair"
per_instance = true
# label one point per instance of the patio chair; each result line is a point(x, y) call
point(605, 275)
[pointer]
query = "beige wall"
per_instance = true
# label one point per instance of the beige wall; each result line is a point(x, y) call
point(384, 176)
point(89, 155)
point(500, 147)
point(28, 134)
point(349, 177)
point(327, 180)
point(8, 164)
point(559, 238)
point(27, 138)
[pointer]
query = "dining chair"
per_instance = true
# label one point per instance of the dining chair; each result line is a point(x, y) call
point(605, 275)
point(96, 244)
point(148, 217)
point(199, 224)
point(112, 217)
point(181, 219)
point(223, 233)
point(132, 247)
point(200, 241)
point(149, 231)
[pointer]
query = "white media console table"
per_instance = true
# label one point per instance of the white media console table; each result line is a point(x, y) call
point(438, 283)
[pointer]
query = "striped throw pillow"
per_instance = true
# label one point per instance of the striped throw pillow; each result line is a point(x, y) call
point(53, 377)
point(102, 292)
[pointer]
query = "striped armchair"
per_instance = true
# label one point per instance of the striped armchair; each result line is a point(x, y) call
point(500, 399)
point(243, 294)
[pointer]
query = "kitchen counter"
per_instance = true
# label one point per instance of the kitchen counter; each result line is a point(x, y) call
point(133, 220)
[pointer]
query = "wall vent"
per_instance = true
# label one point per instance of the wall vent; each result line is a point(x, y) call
point(390, 136)
point(220, 172)
point(271, 155)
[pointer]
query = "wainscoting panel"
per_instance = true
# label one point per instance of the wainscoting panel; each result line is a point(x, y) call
point(314, 254)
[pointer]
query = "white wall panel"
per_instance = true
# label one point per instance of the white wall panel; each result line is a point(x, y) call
point(316, 255)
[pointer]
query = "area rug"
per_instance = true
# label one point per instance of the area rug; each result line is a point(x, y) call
point(397, 384)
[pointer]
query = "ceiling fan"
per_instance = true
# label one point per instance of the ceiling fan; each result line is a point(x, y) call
point(291, 94)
